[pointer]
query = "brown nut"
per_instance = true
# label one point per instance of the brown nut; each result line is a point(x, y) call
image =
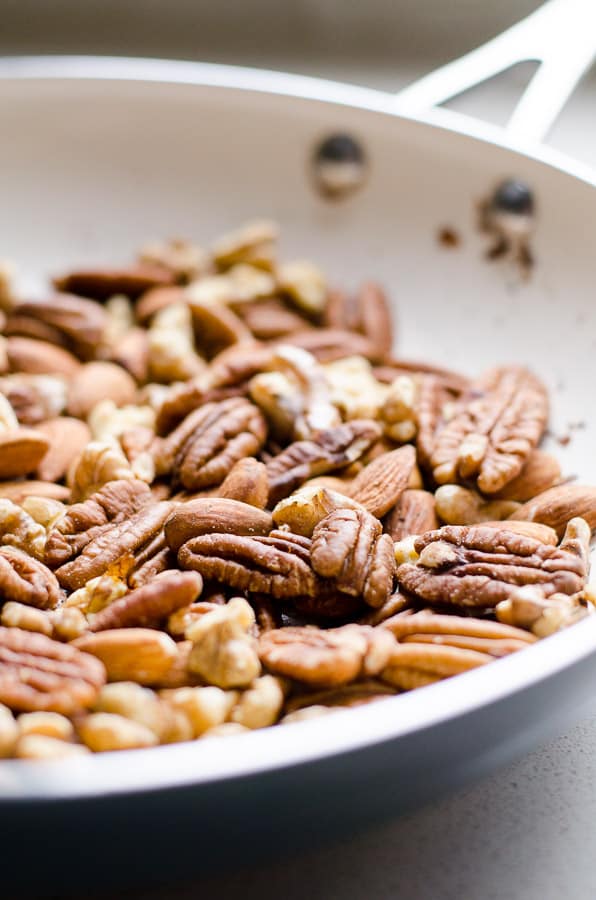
point(40, 357)
point(101, 284)
point(21, 452)
point(248, 482)
point(100, 381)
point(151, 604)
point(215, 516)
point(67, 437)
point(557, 506)
point(131, 654)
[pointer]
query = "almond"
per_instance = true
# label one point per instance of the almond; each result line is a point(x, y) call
point(557, 506)
point(215, 516)
point(414, 513)
point(543, 533)
point(40, 357)
point(540, 472)
point(21, 452)
point(247, 481)
point(67, 438)
point(100, 381)
point(141, 655)
point(17, 491)
point(380, 485)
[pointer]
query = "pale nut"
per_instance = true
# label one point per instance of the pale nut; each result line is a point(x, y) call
point(260, 705)
point(223, 652)
point(98, 463)
point(28, 618)
point(399, 409)
point(68, 623)
point(50, 724)
point(44, 747)
point(304, 284)
point(21, 452)
point(253, 243)
point(354, 389)
point(227, 729)
point(131, 654)
point(108, 421)
point(99, 381)
point(9, 732)
point(456, 505)
point(139, 704)
point(305, 508)
point(67, 438)
point(204, 707)
point(102, 732)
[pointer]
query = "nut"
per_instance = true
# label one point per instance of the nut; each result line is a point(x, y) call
point(305, 508)
point(99, 381)
point(139, 704)
point(99, 463)
point(304, 284)
point(253, 243)
point(204, 707)
point(108, 731)
point(215, 516)
point(223, 652)
point(21, 452)
point(172, 355)
point(40, 358)
point(66, 438)
point(248, 482)
point(260, 705)
point(26, 580)
point(457, 505)
point(41, 746)
point(101, 284)
point(557, 506)
point(50, 724)
point(380, 484)
point(131, 654)
point(354, 389)
point(414, 513)
point(9, 732)
point(151, 604)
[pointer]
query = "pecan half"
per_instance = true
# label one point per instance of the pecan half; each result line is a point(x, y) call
point(119, 543)
point(278, 565)
point(349, 547)
point(325, 658)
point(26, 580)
point(38, 673)
point(381, 483)
point(367, 313)
point(494, 431)
point(114, 503)
point(480, 566)
point(357, 693)
point(208, 443)
point(151, 604)
point(418, 664)
point(464, 632)
point(101, 284)
point(325, 451)
point(414, 513)
point(215, 516)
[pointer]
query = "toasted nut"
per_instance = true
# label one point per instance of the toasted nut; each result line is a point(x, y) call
point(354, 389)
point(431, 659)
point(99, 463)
point(529, 608)
point(19, 529)
point(214, 516)
point(247, 481)
point(108, 731)
point(543, 533)
point(139, 704)
point(49, 723)
point(260, 705)
point(40, 357)
point(228, 729)
point(67, 438)
point(68, 623)
point(414, 513)
point(399, 413)
point(380, 484)
point(204, 707)
point(253, 243)
point(305, 508)
point(131, 654)
point(457, 505)
point(541, 472)
point(152, 603)
point(558, 505)
point(41, 746)
point(97, 594)
point(17, 491)
point(18, 615)
point(305, 284)
point(223, 652)
point(99, 381)
point(21, 452)
point(9, 732)
point(108, 421)
point(172, 355)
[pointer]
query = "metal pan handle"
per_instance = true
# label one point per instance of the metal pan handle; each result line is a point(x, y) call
point(560, 36)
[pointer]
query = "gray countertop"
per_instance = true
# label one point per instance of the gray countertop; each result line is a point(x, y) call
point(524, 833)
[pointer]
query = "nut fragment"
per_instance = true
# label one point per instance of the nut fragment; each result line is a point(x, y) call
point(204, 707)
point(51, 724)
point(108, 731)
point(223, 652)
point(456, 505)
point(260, 705)
point(305, 508)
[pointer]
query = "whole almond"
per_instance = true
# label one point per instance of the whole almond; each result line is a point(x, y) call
point(380, 485)
point(67, 438)
point(40, 357)
point(17, 491)
point(141, 655)
point(557, 506)
point(21, 452)
point(215, 515)
point(414, 513)
point(247, 481)
point(541, 472)
point(543, 533)
point(100, 381)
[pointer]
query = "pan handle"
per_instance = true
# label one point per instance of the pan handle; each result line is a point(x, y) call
point(560, 36)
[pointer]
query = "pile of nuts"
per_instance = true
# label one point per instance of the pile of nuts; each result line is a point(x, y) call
point(224, 504)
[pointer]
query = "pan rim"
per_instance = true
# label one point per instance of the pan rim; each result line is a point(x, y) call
point(208, 762)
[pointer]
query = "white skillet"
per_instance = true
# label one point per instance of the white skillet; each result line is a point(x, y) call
point(96, 156)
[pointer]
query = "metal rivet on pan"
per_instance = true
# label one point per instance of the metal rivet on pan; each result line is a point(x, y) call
point(338, 166)
point(507, 215)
